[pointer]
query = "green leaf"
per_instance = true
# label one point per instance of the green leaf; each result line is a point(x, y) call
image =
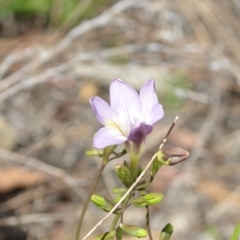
point(236, 233)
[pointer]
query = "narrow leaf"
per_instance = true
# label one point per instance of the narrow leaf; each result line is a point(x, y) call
point(236, 233)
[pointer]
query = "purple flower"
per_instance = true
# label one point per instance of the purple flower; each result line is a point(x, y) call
point(130, 118)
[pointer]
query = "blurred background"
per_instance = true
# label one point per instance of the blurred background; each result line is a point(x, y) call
point(56, 54)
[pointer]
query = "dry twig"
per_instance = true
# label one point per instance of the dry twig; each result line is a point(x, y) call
point(43, 167)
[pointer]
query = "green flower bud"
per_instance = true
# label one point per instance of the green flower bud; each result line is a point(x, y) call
point(117, 199)
point(124, 175)
point(102, 203)
point(153, 198)
point(155, 166)
point(120, 191)
point(162, 158)
point(106, 236)
point(143, 184)
point(134, 230)
point(174, 155)
point(92, 153)
point(148, 199)
point(166, 232)
point(107, 151)
point(139, 202)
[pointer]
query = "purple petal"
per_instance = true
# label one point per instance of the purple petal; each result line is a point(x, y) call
point(138, 134)
point(101, 109)
point(125, 102)
point(155, 114)
point(148, 99)
point(108, 136)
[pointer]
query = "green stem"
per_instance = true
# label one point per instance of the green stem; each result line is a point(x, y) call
point(118, 155)
point(119, 233)
point(115, 221)
point(148, 223)
point(86, 203)
point(116, 218)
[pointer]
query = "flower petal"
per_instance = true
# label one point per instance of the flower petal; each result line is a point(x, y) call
point(138, 134)
point(148, 99)
point(101, 109)
point(155, 114)
point(125, 102)
point(108, 136)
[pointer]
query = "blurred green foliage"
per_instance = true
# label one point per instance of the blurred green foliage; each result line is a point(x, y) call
point(212, 232)
point(24, 6)
point(177, 82)
point(119, 59)
point(236, 233)
point(54, 12)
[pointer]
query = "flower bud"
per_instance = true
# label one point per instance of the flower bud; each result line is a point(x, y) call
point(148, 199)
point(134, 230)
point(92, 153)
point(107, 151)
point(117, 199)
point(124, 175)
point(119, 190)
point(174, 155)
point(143, 184)
point(155, 166)
point(153, 198)
point(102, 203)
point(166, 232)
point(106, 235)
point(139, 202)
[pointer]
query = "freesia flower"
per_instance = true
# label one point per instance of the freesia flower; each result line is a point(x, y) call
point(129, 118)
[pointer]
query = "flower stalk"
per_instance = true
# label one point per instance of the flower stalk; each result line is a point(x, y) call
point(87, 201)
point(127, 120)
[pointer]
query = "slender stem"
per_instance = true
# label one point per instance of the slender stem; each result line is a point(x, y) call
point(148, 223)
point(116, 218)
point(118, 155)
point(119, 233)
point(115, 221)
point(86, 203)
